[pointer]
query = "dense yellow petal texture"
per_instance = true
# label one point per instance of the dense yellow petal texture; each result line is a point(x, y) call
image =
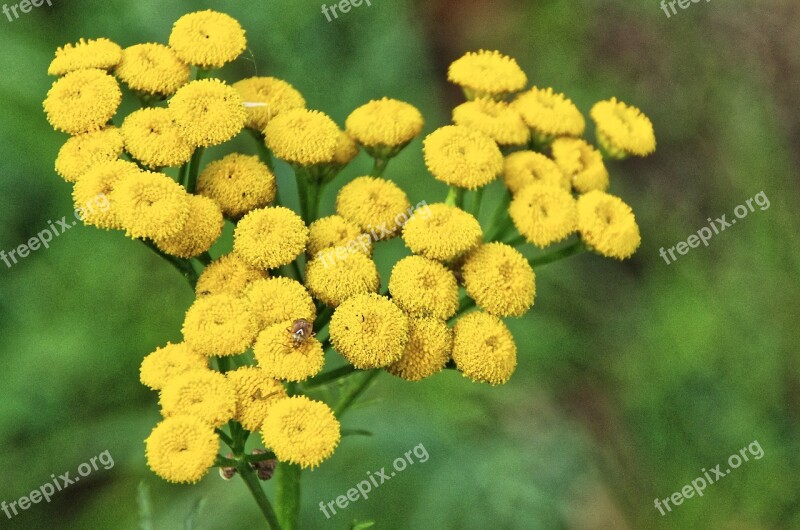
point(270, 237)
point(582, 163)
point(278, 299)
point(81, 152)
point(303, 137)
point(430, 343)
point(529, 167)
point(444, 234)
point(544, 214)
point(153, 137)
point(376, 205)
point(623, 130)
point(549, 114)
point(332, 279)
point(424, 287)
point(462, 157)
point(208, 39)
point(265, 98)
point(101, 182)
point(280, 357)
point(152, 69)
point(607, 225)
point(208, 112)
point(167, 362)
point(203, 394)
point(219, 324)
point(202, 229)
point(152, 205)
point(238, 183)
point(499, 279)
point(84, 54)
point(301, 431)
point(82, 101)
point(496, 119)
point(486, 73)
point(384, 122)
point(182, 449)
point(334, 231)
point(256, 392)
point(484, 349)
point(228, 274)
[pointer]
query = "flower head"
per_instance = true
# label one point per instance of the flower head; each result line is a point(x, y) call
point(82, 101)
point(301, 431)
point(487, 73)
point(167, 362)
point(273, 94)
point(153, 137)
point(423, 287)
point(333, 279)
point(182, 449)
point(208, 112)
point(102, 180)
point(430, 343)
point(302, 137)
point(499, 279)
point(369, 331)
point(282, 358)
point(152, 205)
point(496, 119)
point(374, 204)
point(607, 225)
point(219, 324)
point(334, 231)
point(623, 130)
point(549, 114)
point(152, 69)
point(202, 229)
point(384, 126)
point(81, 152)
point(484, 349)
point(444, 234)
point(227, 274)
point(203, 394)
point(529, 167)
point(256, 392)
point(544, 214)
point(270, 237)
point(346, 149)
point(238, 183)
point(278, 299)
point(208, 39)
point(582, 163)
point(462, 157)
point(93, 53)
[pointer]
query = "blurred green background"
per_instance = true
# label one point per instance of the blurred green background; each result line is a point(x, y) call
point(632, 376)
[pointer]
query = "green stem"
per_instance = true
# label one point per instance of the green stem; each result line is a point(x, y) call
point(223, 364)
point(269, 455)
point(183, 266)
point(302, 191)
point(182, 173)
point(570, 250)
point(517, 240)
point(324, 317)
point(263, 150)
point(455, 197)
point(296, 270)
point(500, 219)
point(331, 375)
point(225, 438)
point(205, 258)
point(194, 169)
point(254, 486)
point(287, 477)
point(379, 167)
point(475, 204)
point(349, 398)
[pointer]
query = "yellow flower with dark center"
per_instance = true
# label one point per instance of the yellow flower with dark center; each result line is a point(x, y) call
point(238, 183)
point(484, 349)
point(81, 152)
point(496, 119)
point(202, 229)
point(582, 163)
point(82, 101)
point(208, 112)
point(487, 73)
point(102, 180)
point(228, 274)
point(153, 138)
point(623, 130)
point(203, 394)
point(152, 69)
point(369, 330)
point(607, 225)
point(423, 287)
point(182, 449)
point(280, 357)
point(278, 299)
point(302, 137)
point(256, 392)
point(270, 237)
point(428, 349)
point(444, 234)
point(301, 431)
point(274, 96)
point(544, 214)
point(376, 205)
point(219, 324)
point(208, 39)
point(384, 126)
point(529, 167)
point(499, 279)
point(334, 231)
point(93, 53)
point(152, 205)
point(462, 157)
point(332, 279)
point(167, 362)
point(549, 114)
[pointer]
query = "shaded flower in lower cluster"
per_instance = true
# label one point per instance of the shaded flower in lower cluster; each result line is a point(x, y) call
point(228, 274)
point(499, 279)
point(167, 362)
point(238, 183)
point(462, 157)
point(255, 392)
point(182, 449)
point(301, 431)
point(281, 358)
point(429, 346)
point(607, 225)
point(484, 349)
point(270, 237)
point(544, 214)
point(444, 235)
point(371, 202)
point(219, 324)
point(529, 167)
point(81, 152)
point(202, 394)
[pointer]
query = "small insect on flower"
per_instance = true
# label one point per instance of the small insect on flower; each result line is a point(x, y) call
point(301, 330)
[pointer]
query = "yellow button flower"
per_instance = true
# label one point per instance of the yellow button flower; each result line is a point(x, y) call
point(256, 392)
point(484, 349)
point(167, 362)
point(332, 279)
point(208, 112)
point(302, 137)
point(301, 431)
point(376, 205)
point(607, 225)
point(152, 69)
point(423, 287)
point(238, 183)
point(152, 205)
point(208, 39)
point(274, 95)
point(270, 237)
point(202, 229)
point(219, 324)
point(384, 126)
point(428, 349)
point(280, 357)
point(102, 181)
point(182, 449)
point(228, 274)
point(93, 53)
point(549, 114)
point(487, 73)
point(529, 167)
point(462, 157)
point(334, 231)
point(81, 152)
point(82, 101)
point(623, 130)
point(496, 119)
point(203, 394)
point(499, 279)
point(153, 138)
point(278, 299)
point(346, 149)
point(582, 163)
point(544, 214)
point(444, 234)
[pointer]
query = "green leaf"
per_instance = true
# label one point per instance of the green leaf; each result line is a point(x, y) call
point(145, 504)
point(362, 525)
point(190, 523)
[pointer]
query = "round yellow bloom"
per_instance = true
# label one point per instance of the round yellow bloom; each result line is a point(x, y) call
point(256, 392)
point(333, 279)
point(93, 53)
point(270, 237)
point(278, 299)
point(487, 73)
point(182, 449)
point(484, 349)
point(301, 431)
point(208, 112)
point(495, 119)
point(203, 394)
point(302, 137)
point(549, 114)
point(102, 181)
point(152, 69)
point(462, 157)
point(328, 233)
point(623, 130)
point(423, 287)
point(276, 95)
point(346, 149)
point(369, 330)
point(444, 234)
point(376, 205)
point(499, 279)
point(228, 274)
point(529, 167)
point(153, 138)
point(152, 205)
point(208, 39)
point(384, 126)
point(219, 324)
point(167, 362)
point(238, 183)
point(80, 152)
point(582, 163)
point(201, 230)
point(82, 101)
point(607, 225)
point(281, 358)
point(428, 349)
point(544, 214)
